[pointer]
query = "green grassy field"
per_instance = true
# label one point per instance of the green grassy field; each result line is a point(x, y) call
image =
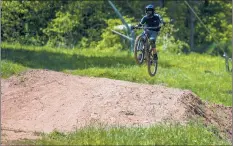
point(204, 75)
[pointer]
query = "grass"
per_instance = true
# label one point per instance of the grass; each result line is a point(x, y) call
point(191, 134)
point(204, 75)
point(9, 68)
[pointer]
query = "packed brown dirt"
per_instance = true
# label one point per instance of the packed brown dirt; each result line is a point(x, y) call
point(42, 101)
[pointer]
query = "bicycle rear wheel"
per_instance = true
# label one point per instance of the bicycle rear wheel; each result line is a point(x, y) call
point(152, 64)
point(139, 50)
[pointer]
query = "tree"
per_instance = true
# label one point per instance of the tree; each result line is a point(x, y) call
point(23, 21)
point(217, 17)
point(77, 20)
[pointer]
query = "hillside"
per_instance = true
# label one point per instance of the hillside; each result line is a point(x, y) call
point(42, 100)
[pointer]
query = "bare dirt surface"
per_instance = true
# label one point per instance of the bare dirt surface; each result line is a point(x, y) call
point(42, 101)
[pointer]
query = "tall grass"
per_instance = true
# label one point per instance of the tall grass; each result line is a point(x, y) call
point(204, 75)
point(191, 134)
point(9, 68)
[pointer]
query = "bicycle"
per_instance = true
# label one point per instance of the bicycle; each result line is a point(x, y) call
point(142, 46)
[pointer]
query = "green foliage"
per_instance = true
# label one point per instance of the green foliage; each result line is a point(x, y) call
point(166, 35)
point(55, 23)
point(111, 40)
point(84, 24)
point(59, 27)
point(76, 24)
point(217, 17)
point(163, 134)
point(11, 30)
point(23, 21)
point(9, 68)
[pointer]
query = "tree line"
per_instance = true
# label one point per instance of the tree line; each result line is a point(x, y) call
point(65, 23)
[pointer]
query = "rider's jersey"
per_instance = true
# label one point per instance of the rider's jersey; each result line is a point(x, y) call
point(153, 21)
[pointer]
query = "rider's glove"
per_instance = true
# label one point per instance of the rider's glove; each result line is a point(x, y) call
point(136, 26)
point(139, 25)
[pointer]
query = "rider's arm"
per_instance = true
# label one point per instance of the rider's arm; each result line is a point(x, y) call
point(143, 20)
point(141, 23)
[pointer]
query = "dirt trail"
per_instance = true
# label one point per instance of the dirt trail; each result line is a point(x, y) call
point(41, 101)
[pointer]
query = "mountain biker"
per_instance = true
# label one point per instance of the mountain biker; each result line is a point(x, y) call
point(151, 19)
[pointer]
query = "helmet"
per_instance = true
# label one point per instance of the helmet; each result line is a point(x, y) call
point(149, 10)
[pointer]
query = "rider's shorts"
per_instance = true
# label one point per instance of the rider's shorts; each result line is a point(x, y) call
point(153, 35)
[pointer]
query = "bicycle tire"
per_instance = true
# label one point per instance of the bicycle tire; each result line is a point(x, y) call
point(152, 64)
point(136, 50)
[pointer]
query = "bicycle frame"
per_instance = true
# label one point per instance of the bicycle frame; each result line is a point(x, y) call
point(146, 31)
point(144, 36)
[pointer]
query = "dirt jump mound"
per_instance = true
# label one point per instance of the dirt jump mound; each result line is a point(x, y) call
point(41, 100)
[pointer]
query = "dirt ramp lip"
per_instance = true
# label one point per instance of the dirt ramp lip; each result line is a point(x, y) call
point(42, 100)
point(213, 114)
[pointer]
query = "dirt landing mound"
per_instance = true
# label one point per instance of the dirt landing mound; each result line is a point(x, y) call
point(40, 100)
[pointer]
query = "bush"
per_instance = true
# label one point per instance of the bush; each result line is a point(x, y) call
point(111, 40)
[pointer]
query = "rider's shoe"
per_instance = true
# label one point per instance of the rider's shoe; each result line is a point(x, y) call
point(155, 57)
point(151, 62)
point(139, 56)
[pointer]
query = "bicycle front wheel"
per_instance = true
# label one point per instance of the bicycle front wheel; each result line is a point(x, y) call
point(152, 64)
point(139, 50)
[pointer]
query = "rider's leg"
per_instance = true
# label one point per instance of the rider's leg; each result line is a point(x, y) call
point(153, 36)
point(154, 51)
point(153, 46)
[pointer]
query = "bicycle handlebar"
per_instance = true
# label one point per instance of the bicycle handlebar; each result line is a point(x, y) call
point(143, 27)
